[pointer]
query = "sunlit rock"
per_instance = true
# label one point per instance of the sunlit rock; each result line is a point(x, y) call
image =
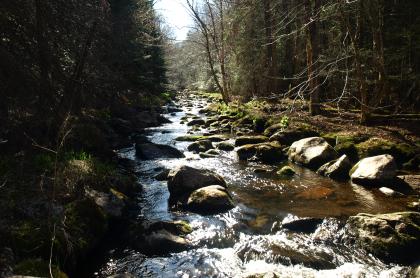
point(185, 179)
point(393, 237)
point(380, 168)
point(210, 199)
point(200, 146)
point(336, 169)
point(311, 152)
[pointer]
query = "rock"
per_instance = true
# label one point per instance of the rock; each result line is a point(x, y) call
point(269, 153)
point(189, 138)
point(112, 204)
point(163, 120)
point(311, 152)
point(401, 152)
point(217, 138)
point(196, 122)
point(162, 176)
point(303, 225)
point(153, 151)
point(289, 136)
point(122, 275)
point(209, 154)
point(265, 152)
point(172, 109)
point(162, 242)
point(178, 228)
point(414, 205)
point(286, 171)
point(336, 169)
point(225, 146)
point(412, 180)
point(389, 192)
point(200, 146)
point(210, 199)
point(375, 169)
point(393, 237)
point(184, 180)
point(246, 140)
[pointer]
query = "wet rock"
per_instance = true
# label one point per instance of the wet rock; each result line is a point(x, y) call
point(303, 225)
point(196, 122)
point(286, 171)
point(210, 199)
point(173, 109)
point(336, 169)
point(162, 242)
point(375, 169)
point(289, 136)
point(123, 275)
point(209, 154)
point(393, 237)
point(153, 151)
point(225, 146)
point(389, 192)
point(200, 146)
point(162, 176)
point(414, 205)
point(162, 120)
point(140, 139)
point(269, 153)
point(111, 203)
point(265, 152)
point(264, 275)
point(189, 138)
point(246, 140)
point(161, 237)
point(184, 180)
point(311, 152)
point(217, 138)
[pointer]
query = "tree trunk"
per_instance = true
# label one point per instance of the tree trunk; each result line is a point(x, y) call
point(312, 53)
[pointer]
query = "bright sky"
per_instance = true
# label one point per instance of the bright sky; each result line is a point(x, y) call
point(176, 16)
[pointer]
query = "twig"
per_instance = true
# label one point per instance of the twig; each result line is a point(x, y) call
point(51, 253)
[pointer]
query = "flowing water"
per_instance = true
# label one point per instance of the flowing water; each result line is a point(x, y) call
point(245, 240)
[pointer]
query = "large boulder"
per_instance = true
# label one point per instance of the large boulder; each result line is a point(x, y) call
point(288, 136)
point(311, 152)
point(265, 152)
point(196, 122)
point(184, 179)
point(393, 237)
point(200, 146)
point(163, 237)
point(336, 169)
point(210, 199)
point(375, 169)
point(246, 140)
point(153, 151)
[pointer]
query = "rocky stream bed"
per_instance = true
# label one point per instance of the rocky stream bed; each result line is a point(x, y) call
point(233, 204)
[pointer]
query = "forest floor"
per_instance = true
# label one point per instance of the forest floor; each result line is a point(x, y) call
point(398, 136)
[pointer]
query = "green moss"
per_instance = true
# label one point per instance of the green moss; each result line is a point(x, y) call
point(402, 152)
point(189, 138)
point(86, 224)
point(341, 138)
point(183, 227)
point(31, 238)
point(37, 267)
point(347, 148)
point(286, 171)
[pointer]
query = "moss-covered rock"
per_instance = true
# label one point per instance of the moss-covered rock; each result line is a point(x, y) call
point(245, 140)
point(225, 146)
point(340, 138)
point(347, 148)
point(393, 237)
point(402, 152)
point(86, 223)
point(286, 171)
point(189, 138)
point(38, 268)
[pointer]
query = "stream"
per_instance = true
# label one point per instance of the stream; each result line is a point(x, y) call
point(246, 240)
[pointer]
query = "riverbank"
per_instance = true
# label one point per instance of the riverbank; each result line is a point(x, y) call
point(57, 206)
point(296, 223)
